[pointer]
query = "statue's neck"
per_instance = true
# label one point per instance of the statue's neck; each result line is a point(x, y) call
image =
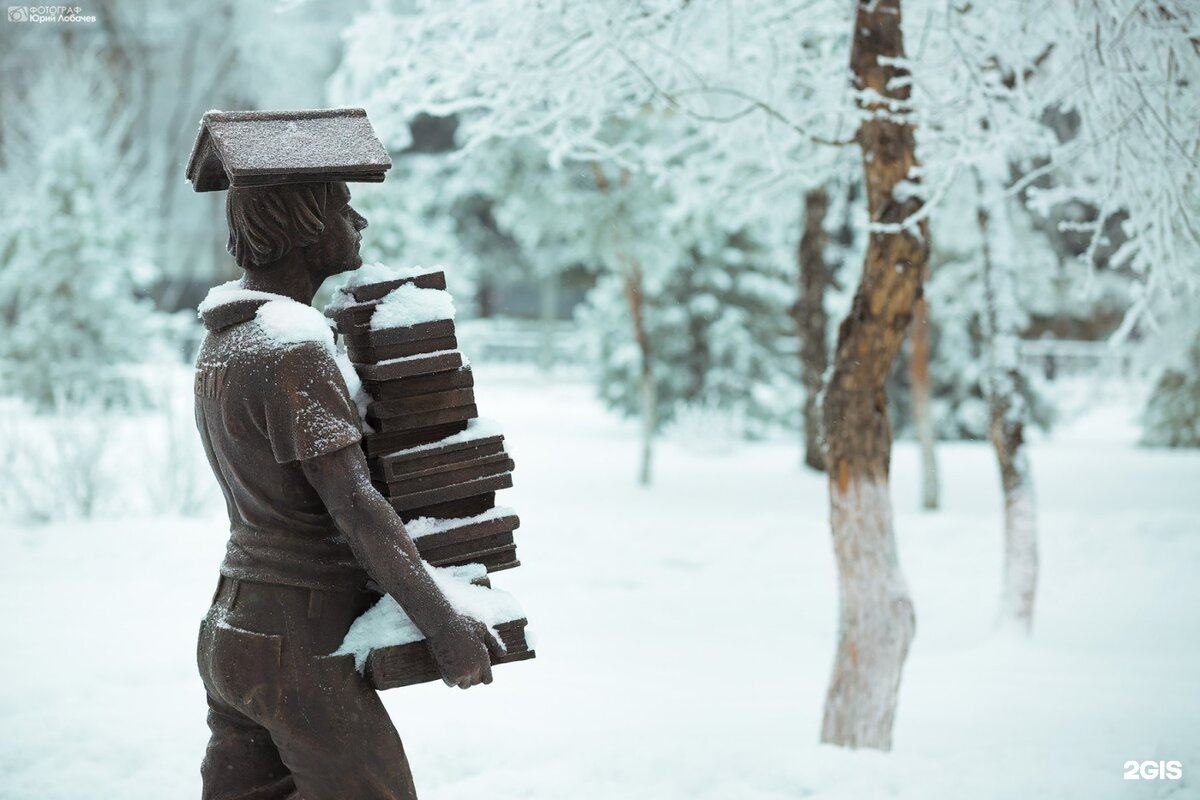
point(289, 277)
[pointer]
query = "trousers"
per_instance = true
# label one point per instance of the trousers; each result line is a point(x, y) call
point(289, 721)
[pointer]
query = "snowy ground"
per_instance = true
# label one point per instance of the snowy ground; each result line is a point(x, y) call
point(684, 633)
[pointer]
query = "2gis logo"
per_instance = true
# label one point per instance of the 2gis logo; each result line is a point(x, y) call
point(1153, 770)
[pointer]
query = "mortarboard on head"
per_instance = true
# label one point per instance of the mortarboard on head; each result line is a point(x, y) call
point(266, 148)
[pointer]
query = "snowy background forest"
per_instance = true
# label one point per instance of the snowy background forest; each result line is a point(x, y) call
point(654, 217)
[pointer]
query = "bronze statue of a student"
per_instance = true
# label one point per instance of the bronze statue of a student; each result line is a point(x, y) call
point(308, 531)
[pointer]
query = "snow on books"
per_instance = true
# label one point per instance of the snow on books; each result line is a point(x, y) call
point(478, 431)
point(425, 337)
point(430, 455)
point(391, 651)
point(486, 537)
point(409, 305)
point(373, 281)
point(264, 148)
point(428, 526)
point(356, 299)
point(408, 366)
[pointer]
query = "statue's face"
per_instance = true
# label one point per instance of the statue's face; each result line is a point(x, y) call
point(337, 249)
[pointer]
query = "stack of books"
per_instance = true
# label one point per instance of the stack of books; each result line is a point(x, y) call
point(406, 664)
point(430, 455)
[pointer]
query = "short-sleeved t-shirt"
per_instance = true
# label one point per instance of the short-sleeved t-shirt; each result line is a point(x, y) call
point(263, 407)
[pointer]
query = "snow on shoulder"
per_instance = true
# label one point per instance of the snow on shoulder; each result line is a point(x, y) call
point(385, 624)
point(409, 305)
point(232, 292)
point(283, 320)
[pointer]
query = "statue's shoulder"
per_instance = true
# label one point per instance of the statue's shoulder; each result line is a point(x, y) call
point(292, 345)
point(259, 326)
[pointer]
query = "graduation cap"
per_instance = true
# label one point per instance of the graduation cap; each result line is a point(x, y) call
point(266, 148)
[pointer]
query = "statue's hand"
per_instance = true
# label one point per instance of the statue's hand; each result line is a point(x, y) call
point(463, 650)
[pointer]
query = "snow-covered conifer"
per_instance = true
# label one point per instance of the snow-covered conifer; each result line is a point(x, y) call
point(719, 330)
point(71, 249)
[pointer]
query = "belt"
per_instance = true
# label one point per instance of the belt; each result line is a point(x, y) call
point(275, 608)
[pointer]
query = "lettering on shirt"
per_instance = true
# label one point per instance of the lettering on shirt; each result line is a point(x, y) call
point(210, 380)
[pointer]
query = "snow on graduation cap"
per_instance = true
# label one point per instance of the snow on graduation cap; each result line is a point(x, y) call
point(267, 148)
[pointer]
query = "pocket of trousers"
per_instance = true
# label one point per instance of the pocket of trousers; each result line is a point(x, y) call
point(245, 670)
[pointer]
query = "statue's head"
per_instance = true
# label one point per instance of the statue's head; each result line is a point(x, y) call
point(313, 221)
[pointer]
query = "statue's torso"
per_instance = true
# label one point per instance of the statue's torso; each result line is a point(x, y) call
point(261, 408)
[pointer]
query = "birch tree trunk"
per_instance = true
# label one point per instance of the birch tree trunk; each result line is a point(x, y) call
point(812, 321)
point(922, 399)
point(634, 287)
point(548, 320)
point(876, 623)
point(647, 389)
point(1007, 409)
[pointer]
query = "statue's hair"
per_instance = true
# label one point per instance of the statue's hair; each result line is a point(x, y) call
point(265, 222)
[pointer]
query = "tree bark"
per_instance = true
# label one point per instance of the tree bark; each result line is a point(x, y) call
point(647, 390)
point(812, 321)
point(922, 399)
point(549, 320)
point(631, 276)
point(1007, 409)
point(876, 622)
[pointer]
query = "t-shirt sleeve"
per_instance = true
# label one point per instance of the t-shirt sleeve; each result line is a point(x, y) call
point(308, 409)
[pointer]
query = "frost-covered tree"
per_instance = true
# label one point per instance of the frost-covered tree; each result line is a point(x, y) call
point(724, 104)
point(1172, 415)
point(1007, 412)
point(721, 100)
point(72, 253)
point(627, 94)
point(876, 622)
point(1126, 72)
point(1085, 104)
point(958, 347)
point(812, 319)
point(415, 226)
point(717, 325)
point(165, 65)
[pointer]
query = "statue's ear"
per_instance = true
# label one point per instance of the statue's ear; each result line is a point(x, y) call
point(323, 200)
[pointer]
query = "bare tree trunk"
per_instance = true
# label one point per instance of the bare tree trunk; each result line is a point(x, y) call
point(647, 390)
point(922, 398)
point(876, 623)
point(812, 321)
point(1007, 409)
point(549, 321)
point(485, 297)
point(631, 276)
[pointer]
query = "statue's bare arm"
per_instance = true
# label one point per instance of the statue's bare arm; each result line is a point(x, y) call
point(460, 645)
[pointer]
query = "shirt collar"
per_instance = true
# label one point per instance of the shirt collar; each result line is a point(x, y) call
point(226, 315)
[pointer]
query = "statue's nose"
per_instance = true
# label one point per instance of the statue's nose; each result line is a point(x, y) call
point(360, 221)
